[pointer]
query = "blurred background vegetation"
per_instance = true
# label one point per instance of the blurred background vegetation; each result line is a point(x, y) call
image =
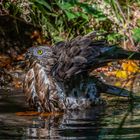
point(64, 19)
point(24, 23)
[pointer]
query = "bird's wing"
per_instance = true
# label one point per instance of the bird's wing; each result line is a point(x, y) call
point(91, 87)
point(83, 53)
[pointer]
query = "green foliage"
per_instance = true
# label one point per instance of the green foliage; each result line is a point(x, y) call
point(57, 17)
point(136, 34)
point(113, 37)
point(68, 18)
point(65, 19)
point(86, 9)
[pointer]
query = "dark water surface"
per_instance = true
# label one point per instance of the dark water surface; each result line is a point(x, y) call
point(118, 121)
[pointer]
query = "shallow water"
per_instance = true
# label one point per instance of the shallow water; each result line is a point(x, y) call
point(120, 120)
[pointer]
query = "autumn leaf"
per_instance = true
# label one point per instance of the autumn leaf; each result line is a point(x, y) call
point(4, 60)
point(121, 74)
point(35, 34)
point(28, 113)
point(118, 84)
point(20, 57)
point(130, 66)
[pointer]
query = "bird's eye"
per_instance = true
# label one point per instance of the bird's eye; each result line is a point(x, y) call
point(40, 52)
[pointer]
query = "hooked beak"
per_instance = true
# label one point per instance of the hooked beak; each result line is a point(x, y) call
point(27, 56)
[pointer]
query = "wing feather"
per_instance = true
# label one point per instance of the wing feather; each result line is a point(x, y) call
point(83, 53)
point(77, 55)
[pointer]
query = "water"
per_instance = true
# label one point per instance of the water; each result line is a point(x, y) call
point(116, 121)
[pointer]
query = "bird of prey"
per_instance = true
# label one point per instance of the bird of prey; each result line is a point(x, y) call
point(58, 77)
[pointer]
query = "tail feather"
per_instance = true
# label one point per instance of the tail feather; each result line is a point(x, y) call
point(121, 92)
point(118, 91)
point(112, 90)
point(110, 54)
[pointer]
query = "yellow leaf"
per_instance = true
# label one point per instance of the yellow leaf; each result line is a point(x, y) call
point(122, 74)
point(133, 67)
point(130, 66)
point(124, 66)
point(118, 84)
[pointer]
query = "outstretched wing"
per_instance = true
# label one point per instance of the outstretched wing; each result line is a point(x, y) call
point(83, 53)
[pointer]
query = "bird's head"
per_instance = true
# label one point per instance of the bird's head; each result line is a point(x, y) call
point(42, 54)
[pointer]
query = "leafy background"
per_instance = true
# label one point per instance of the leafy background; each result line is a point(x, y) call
point(65, 19)
point(47, 22)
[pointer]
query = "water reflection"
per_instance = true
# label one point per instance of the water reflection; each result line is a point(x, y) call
point(118, 121)
point(95, 124)
point(70, 125)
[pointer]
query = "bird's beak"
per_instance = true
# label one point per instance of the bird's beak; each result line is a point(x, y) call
point(27, 56)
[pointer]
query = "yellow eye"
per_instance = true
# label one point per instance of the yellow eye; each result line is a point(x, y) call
point(40, 52)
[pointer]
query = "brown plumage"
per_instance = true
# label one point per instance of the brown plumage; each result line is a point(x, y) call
point(58, 79)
